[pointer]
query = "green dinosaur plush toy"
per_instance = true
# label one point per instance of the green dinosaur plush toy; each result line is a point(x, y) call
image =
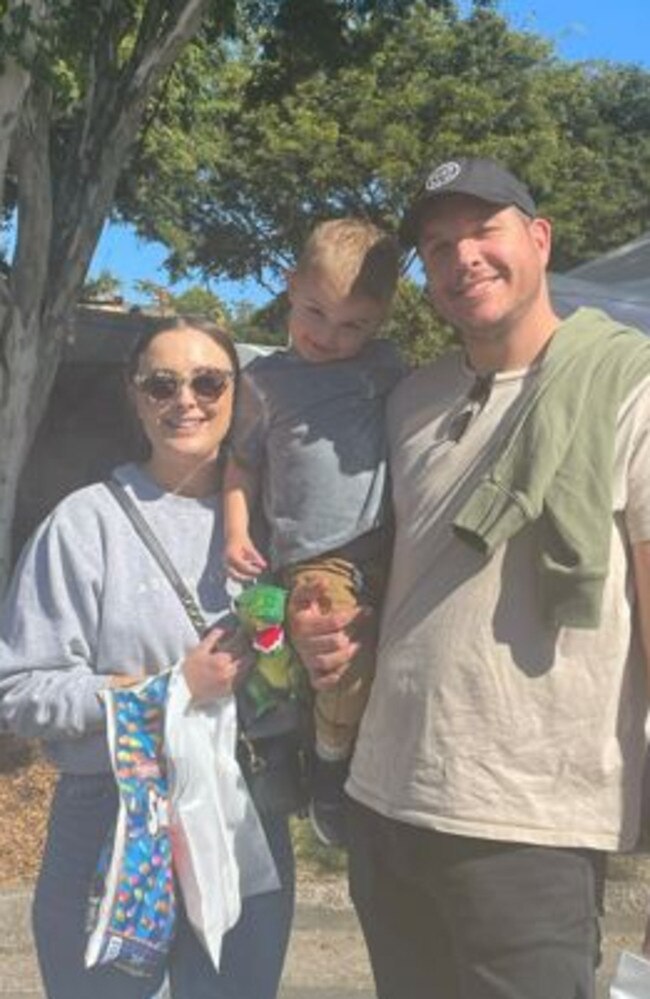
point(277, 674)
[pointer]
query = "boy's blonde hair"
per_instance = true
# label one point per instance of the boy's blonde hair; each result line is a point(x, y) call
point(356, 254)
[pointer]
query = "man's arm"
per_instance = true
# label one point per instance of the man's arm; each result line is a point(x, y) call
point(641, 557)
point(641, 560)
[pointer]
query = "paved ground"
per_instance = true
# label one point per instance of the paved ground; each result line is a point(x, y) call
point(327, 959)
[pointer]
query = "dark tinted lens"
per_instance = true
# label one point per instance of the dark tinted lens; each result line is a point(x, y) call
point(160, 386)
point(209, 385)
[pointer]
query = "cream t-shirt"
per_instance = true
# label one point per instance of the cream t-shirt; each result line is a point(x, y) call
point(484, 720)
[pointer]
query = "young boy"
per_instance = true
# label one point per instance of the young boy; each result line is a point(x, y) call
point(308, 440)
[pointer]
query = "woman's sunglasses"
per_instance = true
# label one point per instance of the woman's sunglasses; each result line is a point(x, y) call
point(206, 386)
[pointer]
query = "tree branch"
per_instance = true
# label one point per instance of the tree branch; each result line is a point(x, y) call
point(14, 83)
point(34, 208)
point(15, 75)
point(113, 119)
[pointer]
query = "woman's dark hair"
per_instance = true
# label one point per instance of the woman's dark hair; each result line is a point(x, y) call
point(186, 322)
point(216, 333)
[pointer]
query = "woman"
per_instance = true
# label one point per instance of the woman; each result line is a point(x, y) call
point(89, 608)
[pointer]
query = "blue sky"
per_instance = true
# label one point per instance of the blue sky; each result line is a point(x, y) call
point(580, 29)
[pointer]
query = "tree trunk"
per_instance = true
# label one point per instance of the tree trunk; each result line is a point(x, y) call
point(62, 205)
point(18, 419)
point(15, 79)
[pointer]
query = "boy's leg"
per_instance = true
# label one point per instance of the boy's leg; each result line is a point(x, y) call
point(341, 585)
point(344, 586)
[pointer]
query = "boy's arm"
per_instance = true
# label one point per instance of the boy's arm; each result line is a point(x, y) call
point(241, 487)
point(243, 474)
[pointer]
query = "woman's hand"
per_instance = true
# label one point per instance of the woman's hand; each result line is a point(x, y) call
point(324, 638)
point(214, 667)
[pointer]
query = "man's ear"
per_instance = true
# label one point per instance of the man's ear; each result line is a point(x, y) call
point(542, 233)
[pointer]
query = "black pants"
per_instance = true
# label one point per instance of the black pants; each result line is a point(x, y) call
point(450, 917)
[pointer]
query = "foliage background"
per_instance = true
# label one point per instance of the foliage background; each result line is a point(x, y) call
point(326, 108)
point(254, 143)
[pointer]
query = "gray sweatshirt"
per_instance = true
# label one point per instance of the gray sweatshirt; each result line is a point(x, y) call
point(87, 599)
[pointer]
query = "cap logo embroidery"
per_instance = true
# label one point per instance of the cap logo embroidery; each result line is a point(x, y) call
point(442, 175)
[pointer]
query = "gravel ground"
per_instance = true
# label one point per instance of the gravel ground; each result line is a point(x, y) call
point(327, 959)
point(325, 891)
point(25, 792)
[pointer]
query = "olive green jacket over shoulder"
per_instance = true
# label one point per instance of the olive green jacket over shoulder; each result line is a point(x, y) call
point(555, 469)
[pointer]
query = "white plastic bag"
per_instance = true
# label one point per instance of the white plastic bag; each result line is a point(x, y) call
point(632, 978)
point(219, 849)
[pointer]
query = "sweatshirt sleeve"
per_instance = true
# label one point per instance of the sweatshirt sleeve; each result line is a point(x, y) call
point(48, 634)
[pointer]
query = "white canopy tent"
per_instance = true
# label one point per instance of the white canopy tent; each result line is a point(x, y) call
point(627, 263)
point(617, 282)
point(625, 301)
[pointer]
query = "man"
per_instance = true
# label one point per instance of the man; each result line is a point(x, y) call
point(501, 752)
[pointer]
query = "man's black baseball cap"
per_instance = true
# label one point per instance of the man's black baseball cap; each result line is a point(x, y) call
point(483, 178)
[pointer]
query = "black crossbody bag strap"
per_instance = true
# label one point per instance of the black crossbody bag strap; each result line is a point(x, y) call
point(150, 541)
point(276, 777)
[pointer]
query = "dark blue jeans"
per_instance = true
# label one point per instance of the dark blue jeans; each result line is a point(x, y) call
point(83, 811)
point(451, 917)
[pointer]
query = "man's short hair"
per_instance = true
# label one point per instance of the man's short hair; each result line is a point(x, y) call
point(358, 255)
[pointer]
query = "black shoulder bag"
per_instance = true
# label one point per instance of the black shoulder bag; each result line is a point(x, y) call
point(273, 751)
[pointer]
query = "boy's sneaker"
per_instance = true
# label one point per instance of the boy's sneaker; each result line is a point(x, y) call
point(327, 810)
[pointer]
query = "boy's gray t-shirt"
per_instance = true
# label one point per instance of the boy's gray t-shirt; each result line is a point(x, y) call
point(314, 434)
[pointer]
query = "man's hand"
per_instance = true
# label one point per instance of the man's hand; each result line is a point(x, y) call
point(214, 667)
point(119, 681)
point(324, 638)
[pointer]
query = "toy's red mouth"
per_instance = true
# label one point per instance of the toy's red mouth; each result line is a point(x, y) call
point(269, 639)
